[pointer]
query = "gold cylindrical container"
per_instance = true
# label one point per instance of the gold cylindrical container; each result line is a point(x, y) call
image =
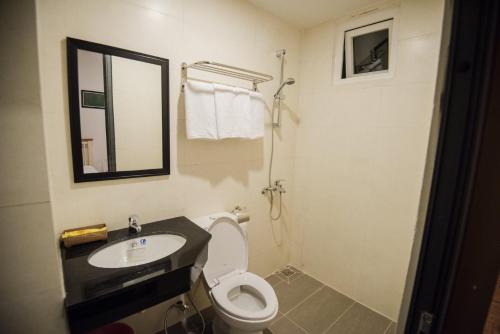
point(83, 235)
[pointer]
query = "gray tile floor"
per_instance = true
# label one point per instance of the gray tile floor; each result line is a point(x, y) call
point(308, 307)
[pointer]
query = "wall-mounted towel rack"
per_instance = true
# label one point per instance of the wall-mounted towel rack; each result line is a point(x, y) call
point(231, 71)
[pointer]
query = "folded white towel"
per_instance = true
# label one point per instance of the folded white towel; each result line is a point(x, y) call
point(215, 111)
point(256, 121)
point(232, 108)
point(201, 122)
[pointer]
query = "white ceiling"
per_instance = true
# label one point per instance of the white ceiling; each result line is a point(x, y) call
point(308, 13)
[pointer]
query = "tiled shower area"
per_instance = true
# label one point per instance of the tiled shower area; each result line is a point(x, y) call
point(306, 306)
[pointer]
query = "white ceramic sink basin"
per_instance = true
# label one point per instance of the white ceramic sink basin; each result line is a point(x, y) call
point(136, 251)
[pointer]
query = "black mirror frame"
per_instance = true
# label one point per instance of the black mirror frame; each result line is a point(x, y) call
point(73, 45)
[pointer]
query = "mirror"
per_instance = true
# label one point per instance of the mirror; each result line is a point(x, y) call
point(118, 112)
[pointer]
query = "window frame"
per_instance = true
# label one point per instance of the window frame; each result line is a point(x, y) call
point(349, 36)
point(356, 22)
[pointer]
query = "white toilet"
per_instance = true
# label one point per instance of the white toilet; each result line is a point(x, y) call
point(244, 302)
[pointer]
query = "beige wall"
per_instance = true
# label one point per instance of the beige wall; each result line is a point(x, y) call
point(360, 158)
point(205, 176)
point(30, 289)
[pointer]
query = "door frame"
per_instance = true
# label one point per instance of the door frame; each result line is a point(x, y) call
point(463, 107)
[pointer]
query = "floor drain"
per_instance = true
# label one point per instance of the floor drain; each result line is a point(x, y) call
point(288, 273)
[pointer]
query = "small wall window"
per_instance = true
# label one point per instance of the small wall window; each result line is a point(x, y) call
point(367, 50)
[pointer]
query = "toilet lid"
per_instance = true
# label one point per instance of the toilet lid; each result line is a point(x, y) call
point(227, 250)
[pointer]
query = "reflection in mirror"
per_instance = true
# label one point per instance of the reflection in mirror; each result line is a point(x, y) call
point(93, 113)
point(119, 107)
point(136, 98)
point(120, 113)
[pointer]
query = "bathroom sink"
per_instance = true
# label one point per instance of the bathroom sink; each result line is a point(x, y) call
point(106, 281)
point(136, 251)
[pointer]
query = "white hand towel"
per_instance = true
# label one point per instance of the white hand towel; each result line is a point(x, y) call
point(201, 122)
point(256, 122)
point(232, 108)
point(241, 104)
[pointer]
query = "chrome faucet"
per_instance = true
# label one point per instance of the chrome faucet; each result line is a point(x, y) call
point(280, 187)
point(133, 224)
point(277, 186)
point(268, 189)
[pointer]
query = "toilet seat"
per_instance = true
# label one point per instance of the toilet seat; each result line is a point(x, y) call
point(253, 285)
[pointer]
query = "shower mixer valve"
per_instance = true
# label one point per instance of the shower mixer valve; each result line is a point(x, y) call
point(277, 186)
point(280, 187)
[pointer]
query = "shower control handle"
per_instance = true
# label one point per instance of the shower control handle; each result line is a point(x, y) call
point(265, 190)
point(279, 186)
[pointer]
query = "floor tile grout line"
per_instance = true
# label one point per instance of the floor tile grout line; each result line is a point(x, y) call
point(296, 324)
point(274, 286)
point(281, 279)
point(304, 300)
point(388, 326)
point(340, 316)
point(276, 274)
point(346, 295)
point(287, 314)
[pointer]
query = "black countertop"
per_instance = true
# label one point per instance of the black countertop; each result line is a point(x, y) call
point(85, 283)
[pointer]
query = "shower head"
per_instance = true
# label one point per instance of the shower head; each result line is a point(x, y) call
point(289, 81)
